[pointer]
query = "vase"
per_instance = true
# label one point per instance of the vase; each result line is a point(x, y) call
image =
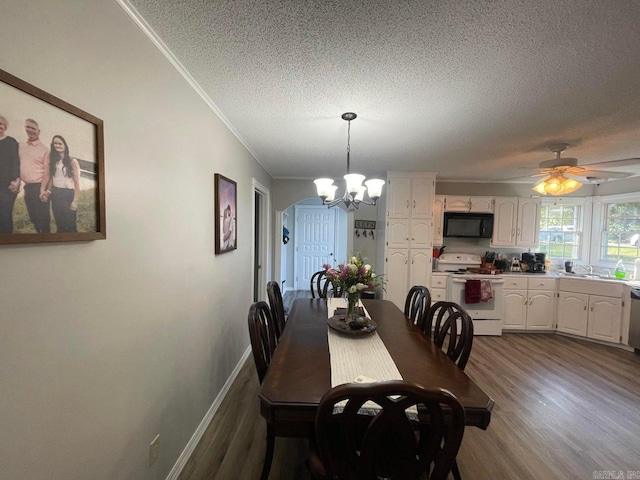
point(353, 299)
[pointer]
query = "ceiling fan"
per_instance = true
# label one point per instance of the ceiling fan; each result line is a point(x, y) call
point(560, 173)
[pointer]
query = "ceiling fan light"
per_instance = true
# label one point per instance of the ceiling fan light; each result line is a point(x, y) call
point(374, 187)
point(354, 182)
point(570, 185)
point(554, 184)
point(323, 186)
point(540, 188)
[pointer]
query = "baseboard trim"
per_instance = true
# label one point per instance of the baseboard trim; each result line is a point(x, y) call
point(197, 435)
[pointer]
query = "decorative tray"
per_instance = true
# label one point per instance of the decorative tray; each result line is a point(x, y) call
point(338, 324)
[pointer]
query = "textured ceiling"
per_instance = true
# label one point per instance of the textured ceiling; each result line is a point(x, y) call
point(473, 90)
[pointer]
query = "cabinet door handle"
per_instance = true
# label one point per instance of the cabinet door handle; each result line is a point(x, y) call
point(591, 308)
point(530, 301)
point(414, 204)
point(525, 301)
point(408, 204)
point(585, 308)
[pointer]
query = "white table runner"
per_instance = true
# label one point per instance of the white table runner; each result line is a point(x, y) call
point(363, 358)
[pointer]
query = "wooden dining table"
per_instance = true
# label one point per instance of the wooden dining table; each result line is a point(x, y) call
point(299, 373)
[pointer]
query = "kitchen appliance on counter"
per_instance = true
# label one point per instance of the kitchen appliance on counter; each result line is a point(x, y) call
point(534, 262)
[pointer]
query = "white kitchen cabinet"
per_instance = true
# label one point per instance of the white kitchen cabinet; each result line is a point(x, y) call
point(397, 276)
point(438, 287)
point(410, 194)
point(419, 268)
point(590, 309)
point(572, 313)
point(408, 233)
point(605, 314)
point(438, 220)
point(397, 233)
point(404, 268)
point(529, 303)
point(515, 310)
point(516, 222)
point(458, 203)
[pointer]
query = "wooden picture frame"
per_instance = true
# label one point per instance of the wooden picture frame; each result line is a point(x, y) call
point(226, 197)
point(31, 111)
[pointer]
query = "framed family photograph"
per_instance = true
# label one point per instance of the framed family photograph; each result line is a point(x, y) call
point(225, 206)
point(51, 167)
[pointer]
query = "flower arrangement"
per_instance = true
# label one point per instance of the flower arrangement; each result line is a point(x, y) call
point(353, 276)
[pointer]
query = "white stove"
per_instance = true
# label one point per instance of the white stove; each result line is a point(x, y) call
point(457, 262)
point(487, 315)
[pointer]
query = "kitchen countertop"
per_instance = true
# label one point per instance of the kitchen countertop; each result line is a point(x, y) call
point(632, 283)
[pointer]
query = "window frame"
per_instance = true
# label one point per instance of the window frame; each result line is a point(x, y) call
point(583, 226)
point(598, 228)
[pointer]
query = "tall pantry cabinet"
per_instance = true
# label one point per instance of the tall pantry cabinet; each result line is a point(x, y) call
point(408, 233)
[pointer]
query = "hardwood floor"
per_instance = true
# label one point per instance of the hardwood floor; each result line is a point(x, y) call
point(565, 409)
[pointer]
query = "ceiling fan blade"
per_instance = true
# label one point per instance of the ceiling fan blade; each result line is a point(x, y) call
point(606, 174)
point(625, 162)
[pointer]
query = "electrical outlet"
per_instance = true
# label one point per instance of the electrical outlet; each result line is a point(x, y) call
point(154, 450)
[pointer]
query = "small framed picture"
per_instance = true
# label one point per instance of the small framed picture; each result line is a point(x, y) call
point(226, 210)
point(51, 167)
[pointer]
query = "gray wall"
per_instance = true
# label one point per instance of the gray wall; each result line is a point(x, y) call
point(105, 344)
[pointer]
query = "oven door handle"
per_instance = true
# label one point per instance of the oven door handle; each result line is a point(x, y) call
point(496, 282)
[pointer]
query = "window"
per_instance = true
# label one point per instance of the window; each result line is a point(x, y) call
point(621, 232)
point(561, 236)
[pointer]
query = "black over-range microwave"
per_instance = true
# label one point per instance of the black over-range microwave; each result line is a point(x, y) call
point(469, 225)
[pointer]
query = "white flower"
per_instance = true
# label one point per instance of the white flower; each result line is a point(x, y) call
point(354, 260)
point(353, 268)
point(352, 289)
point(367, 268)
point(361, 286)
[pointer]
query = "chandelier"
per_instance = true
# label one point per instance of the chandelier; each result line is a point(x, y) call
point(355, 190)
point(557, 184)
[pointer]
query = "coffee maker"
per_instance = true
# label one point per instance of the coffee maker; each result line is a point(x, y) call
point(534, 262)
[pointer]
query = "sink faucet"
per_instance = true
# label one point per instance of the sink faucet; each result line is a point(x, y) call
point(587, 268)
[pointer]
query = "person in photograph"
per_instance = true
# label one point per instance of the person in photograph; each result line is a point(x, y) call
point(34, 172)
point(9, 176)
point(227, 229)
point(64, 184)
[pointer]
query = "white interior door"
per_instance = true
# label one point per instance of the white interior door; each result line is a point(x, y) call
point(315, 241)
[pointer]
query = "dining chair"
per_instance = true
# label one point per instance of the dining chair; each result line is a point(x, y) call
point(389, 442)
point(322, 286)
point(277, 307)
point(319, 284)
point(445, 316)
point(263, 344)
point(458, 349)
point(262, 336)
point(417, 304)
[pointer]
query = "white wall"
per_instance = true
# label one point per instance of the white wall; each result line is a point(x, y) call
point(105, 344)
